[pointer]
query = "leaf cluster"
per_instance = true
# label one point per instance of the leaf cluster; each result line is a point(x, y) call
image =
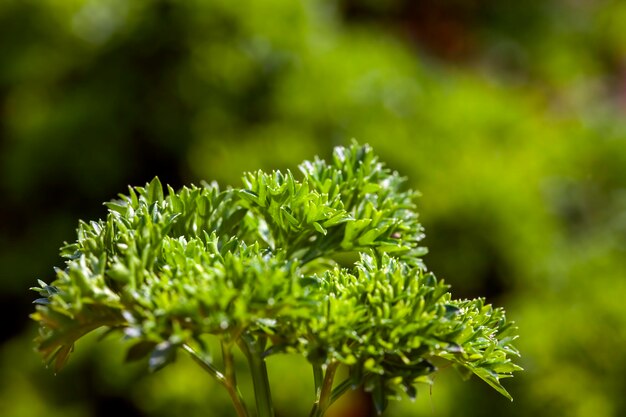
point(272, 265)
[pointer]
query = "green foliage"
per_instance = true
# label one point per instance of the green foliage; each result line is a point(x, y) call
point(270, 267)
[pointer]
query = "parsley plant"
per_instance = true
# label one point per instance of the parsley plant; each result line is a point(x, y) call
point(326, 265)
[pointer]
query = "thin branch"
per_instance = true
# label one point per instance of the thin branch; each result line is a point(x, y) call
point(227, 379)
point(260, 381)
point(325, 395)
point(205, 365)
point(318, 377)
point(231, 381)
point(340, 389)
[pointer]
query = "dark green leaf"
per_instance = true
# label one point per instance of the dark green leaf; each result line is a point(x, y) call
point(379, 396)
point(140, 350)
point(163, 354)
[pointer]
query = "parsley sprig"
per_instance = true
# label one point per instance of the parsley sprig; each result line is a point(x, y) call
point(327, 264)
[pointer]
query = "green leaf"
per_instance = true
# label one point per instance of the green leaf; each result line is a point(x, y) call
point(139, 350)
point(154, 191)
point(410, 389)
point(233, 220)
point(249, 196)
point(319, 228)
point(492, 379)
point(119, 207)
point(379, 396)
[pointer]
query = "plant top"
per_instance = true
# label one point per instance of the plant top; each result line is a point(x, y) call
point(326, 265)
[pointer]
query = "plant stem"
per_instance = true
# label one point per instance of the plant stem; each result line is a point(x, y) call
point(205, 365)
point(231, 379)
point(340, 389)
point(324, 398)
point(318, 377)
point(258, 369)
point(227, 379)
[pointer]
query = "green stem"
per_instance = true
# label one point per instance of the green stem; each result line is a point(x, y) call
point(318, 377)
point(258, 369)
point(340, 389)
point(231, 378)
point(227, 379)
point(324, 398)
point(205, 365)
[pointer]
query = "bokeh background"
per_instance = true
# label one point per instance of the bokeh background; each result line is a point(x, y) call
point(508, 116)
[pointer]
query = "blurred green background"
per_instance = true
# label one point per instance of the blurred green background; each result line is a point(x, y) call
point(508, 116)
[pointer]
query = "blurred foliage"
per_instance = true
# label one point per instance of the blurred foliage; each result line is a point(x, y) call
point(508, 117)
